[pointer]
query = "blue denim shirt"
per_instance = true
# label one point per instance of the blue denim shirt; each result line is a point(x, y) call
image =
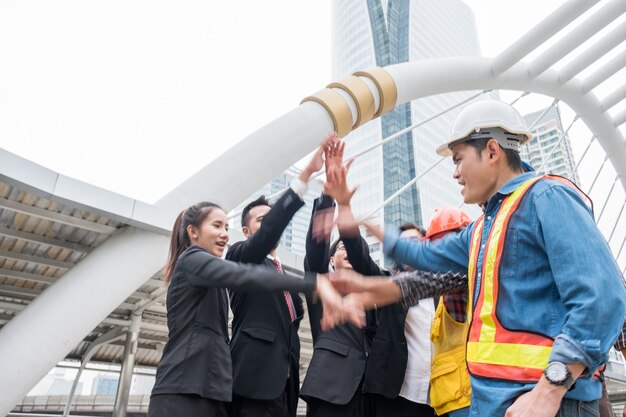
point(557, 277)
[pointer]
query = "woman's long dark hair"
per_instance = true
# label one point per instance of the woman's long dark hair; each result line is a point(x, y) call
point(179, 241)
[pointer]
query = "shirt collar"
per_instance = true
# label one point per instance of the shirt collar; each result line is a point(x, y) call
point(514, 183)
point(507, 189)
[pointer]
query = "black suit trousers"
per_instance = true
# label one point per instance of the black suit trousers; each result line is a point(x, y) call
point(400, 407)
point(188, 405)
point(284, 406)
point(359, 406)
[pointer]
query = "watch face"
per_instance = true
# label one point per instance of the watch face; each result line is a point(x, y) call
point(556, 372)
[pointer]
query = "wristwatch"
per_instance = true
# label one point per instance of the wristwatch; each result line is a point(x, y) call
point(557, 373)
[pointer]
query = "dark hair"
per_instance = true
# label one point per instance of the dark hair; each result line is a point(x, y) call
point(261, 201)
point(413, 226)
point(333, 247)
point(512, 157)
point(179, 241)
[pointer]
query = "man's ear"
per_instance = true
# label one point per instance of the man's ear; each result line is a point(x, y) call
point(493, 149)
point(332, 262)
point(246, 231)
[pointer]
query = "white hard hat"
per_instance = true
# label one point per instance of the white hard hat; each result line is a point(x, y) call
point(489, 118)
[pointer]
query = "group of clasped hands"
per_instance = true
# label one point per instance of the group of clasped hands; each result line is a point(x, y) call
point(345, 294)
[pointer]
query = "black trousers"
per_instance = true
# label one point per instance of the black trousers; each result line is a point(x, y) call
point(286, 405)
point(188, 405)
point(359, 406)
point(400, 407)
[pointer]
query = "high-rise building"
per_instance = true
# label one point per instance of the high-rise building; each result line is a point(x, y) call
point(384, 32)
point(104, 384)
point(294, 236)
point(548, 152)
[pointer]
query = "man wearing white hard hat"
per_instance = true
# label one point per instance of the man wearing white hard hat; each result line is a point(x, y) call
point(546, 296)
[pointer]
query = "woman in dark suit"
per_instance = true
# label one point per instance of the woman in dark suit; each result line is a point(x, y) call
point(194, 376)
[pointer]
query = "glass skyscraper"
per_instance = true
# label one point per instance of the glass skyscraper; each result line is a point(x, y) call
point(381, 33)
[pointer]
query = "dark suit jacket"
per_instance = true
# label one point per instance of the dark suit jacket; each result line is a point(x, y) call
point(265, 348)
point(196, 358)
point(340, 354)
point(388, 357)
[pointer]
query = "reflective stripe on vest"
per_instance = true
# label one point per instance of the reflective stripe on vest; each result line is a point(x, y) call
point(493, 351)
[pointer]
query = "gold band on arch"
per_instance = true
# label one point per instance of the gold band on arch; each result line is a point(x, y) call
point(361, 95)
point(339, 110)
point(386, 88)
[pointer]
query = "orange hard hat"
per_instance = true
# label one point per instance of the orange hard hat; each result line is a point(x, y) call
point(447, 219)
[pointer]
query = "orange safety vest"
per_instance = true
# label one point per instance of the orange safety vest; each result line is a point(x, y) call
point(492, 350)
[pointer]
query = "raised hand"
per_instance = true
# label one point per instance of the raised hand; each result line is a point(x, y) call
point(337, 185)
point(334, 154)
point(317, 161)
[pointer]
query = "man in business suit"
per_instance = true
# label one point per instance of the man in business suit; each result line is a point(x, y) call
point(333, 383)
point(265, 347)
point(398, 367)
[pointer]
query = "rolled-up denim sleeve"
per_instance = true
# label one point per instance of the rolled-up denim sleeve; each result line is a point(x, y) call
point(620, 344)
point(586, 276)
point(451, 253)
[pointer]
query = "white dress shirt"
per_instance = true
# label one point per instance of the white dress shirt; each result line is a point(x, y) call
point(417, 332)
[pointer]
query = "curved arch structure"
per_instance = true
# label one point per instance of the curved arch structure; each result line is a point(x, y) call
point(341, 106)
point(457, 74)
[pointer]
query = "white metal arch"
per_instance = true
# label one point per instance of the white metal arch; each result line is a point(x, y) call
point(424, 78)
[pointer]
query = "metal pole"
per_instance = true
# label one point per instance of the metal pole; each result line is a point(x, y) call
point(557, 145)
point(620, 249)
point(70, 398)
point(593, 138)
point(524, 94)
point(104, 339)
point(403, 189)
point(126, 373)
point(554, 103)
point(619, 216)
point(606, 158)
point(607, 198)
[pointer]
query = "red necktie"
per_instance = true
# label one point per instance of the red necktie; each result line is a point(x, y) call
point(290, 306)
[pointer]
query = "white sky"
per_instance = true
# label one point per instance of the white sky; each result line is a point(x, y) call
point(135, 96)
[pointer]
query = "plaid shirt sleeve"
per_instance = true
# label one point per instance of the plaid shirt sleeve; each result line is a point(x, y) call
point(417, 285)
point(456, 305)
